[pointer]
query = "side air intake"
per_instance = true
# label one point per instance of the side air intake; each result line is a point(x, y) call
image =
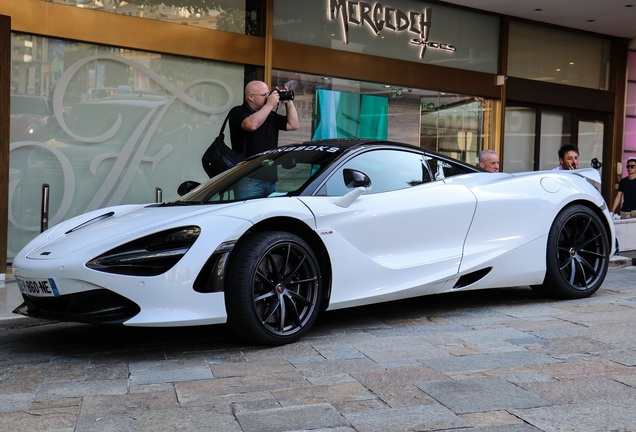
point(471, 278)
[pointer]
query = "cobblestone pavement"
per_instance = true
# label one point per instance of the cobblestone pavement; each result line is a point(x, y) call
point(498, 360)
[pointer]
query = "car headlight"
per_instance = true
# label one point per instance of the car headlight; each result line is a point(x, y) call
point(33, 128)
point(147, 256)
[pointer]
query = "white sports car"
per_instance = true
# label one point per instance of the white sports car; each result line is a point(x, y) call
point(270, 243)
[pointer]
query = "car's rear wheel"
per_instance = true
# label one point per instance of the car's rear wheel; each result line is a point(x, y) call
point(577, 254)
point(273, 294)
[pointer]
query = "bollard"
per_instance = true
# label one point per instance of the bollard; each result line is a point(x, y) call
point(44, 216)
point(158, 195)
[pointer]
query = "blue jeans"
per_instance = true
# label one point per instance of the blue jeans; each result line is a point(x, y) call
point(253, 188)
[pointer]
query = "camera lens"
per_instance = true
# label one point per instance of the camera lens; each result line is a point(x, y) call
point(286, 95)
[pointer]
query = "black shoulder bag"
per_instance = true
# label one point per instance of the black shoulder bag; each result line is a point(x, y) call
point(219, 157)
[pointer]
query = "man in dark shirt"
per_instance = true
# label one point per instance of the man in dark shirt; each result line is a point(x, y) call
point(254, 128)
point(627, 193)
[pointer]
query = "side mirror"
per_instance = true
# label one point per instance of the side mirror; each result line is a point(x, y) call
point(358, 182)
point(355, 179)
point(186, 187)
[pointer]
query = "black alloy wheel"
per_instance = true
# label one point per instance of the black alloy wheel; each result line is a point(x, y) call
point(577, 254)
point(273, 294)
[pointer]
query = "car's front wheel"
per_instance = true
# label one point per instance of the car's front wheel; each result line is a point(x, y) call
point(273, 294)
point(577, 254)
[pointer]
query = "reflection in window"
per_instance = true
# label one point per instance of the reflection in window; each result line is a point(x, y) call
point(629, 137)
point(520, 138)
point(388, 170)
point(349, 115)
point(453, 125)
point(107, 126)
point(228, 15)
point(545, 54)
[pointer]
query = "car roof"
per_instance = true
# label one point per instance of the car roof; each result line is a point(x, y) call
point(349, 143)
point(346, 145)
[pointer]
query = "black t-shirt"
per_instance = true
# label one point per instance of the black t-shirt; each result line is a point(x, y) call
point(263, 138)
point(628, 187)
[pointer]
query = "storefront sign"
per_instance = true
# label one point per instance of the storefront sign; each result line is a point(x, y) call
point(378, 18)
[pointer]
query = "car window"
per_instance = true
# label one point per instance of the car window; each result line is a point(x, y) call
point(442, 169)
point(388, 170)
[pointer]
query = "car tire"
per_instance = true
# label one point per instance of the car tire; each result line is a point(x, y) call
point(273, 293)
point(577, 254)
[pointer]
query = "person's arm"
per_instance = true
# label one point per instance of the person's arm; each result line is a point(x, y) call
point(292, 116)
point(256, 120)
point(617, 201)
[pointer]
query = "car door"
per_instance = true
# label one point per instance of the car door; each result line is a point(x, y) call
point(403, 237)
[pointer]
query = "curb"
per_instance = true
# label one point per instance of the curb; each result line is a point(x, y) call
point(619, 261)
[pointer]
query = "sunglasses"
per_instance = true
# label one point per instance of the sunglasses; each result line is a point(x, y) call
point(631, 166)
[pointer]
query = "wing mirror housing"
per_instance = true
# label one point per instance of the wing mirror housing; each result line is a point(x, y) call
point(186, 187)
point(355, 179)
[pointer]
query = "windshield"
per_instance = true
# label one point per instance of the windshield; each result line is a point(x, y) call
point(283, 171)
point(31, 105)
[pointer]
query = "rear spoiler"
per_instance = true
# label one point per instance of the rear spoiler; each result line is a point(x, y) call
point(591, 175)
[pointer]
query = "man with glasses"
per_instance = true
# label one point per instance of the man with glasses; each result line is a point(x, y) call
point(627, 192)
point(254, 128)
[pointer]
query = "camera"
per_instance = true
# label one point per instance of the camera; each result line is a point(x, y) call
point(285, 95)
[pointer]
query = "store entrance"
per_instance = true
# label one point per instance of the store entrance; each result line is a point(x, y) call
point(533, 136)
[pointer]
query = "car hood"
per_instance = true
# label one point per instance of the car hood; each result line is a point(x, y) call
point(106, 228)
point(20, 123)
point(113, 226)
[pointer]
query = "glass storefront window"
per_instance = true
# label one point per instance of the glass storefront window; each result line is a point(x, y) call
point(328, 107)
point(629, 140)
point(555, 131)
point(105, 126)
point(544, 54)
point(453, 125)
point(340, 108)
point(404, 29)
point(519, 139)
point(590, 141)
point(630, 102)
point(236, 16)
point(629, 136)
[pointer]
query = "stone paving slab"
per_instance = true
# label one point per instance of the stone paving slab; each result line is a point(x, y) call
point(581, 417)
point(481, 394)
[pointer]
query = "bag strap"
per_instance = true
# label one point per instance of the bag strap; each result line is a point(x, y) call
point(221, 132)
point(222, 135)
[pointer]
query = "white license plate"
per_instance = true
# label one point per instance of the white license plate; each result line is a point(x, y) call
point(38, 287)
